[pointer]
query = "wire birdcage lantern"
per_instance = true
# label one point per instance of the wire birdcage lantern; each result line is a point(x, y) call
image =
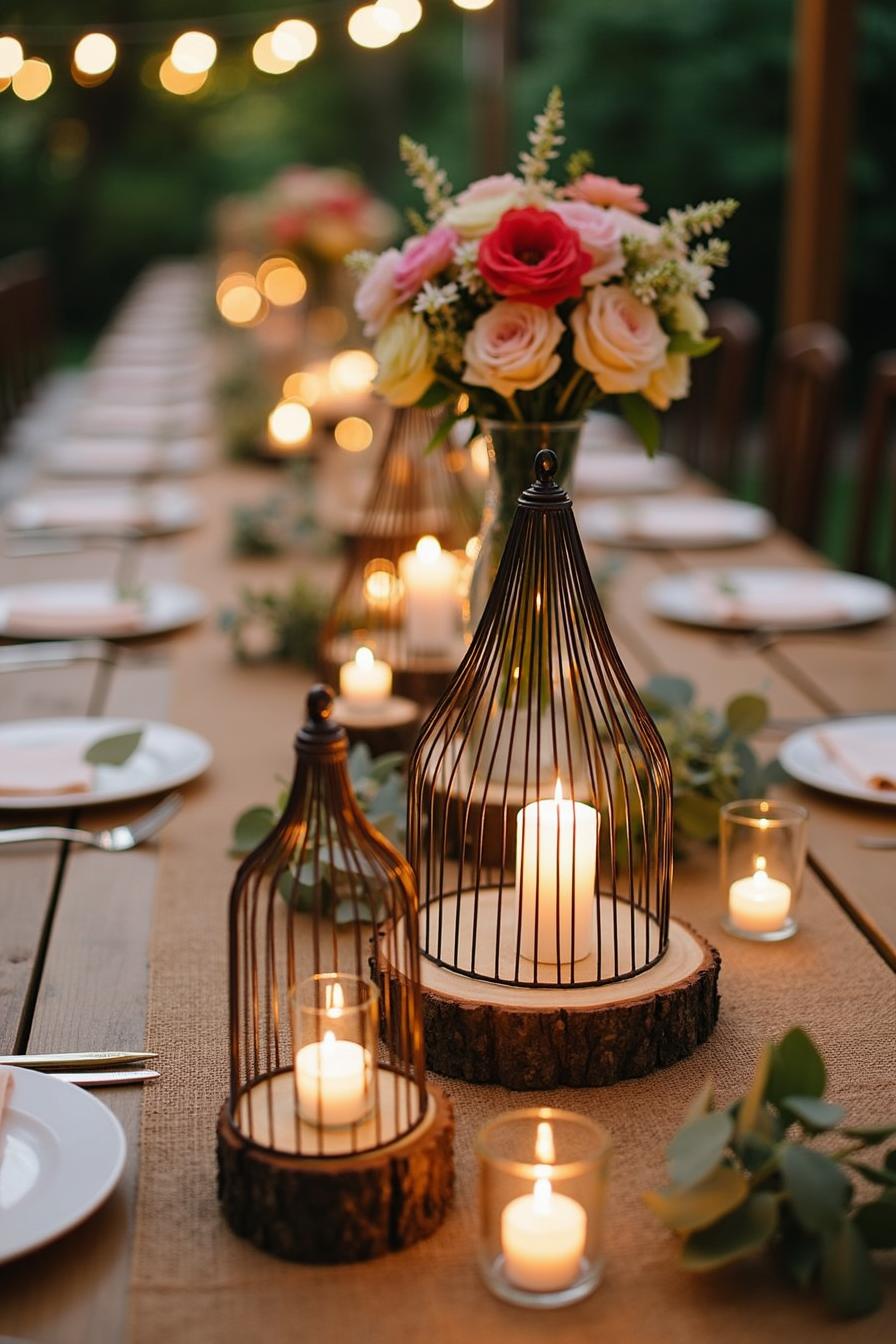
point(404, 587)
point(540, 797)
point(326, 1052)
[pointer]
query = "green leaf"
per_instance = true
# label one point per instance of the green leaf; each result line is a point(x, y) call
point(746, 714)
point(813, 1114)
point(698, 1147)
point(877, 1224)
point(703, 1103)
point(750, 1109)
point(797, 1068)
point(876, 1175)
point(643, 420)
point(434, 395)
point(445, 426)
point(850, 1284)
point(671, 692)
point(682, 343)
point(253, 826)
point(755, 1150)
point(686, 1210)
point(697, 815)
point(818, 1188)
point(800, 1252)
point(114, 750)
point(872, 1134)
point(740, 1233)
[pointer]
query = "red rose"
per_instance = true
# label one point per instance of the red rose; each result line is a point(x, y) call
point(533, 256)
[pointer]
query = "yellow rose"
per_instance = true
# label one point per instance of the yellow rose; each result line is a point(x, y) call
point(670, 383)
point(477, 210)
point(687, 315)
point(403, 355)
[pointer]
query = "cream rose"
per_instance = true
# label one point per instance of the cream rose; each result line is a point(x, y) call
point(686, 315)
point(403, 355)
point(512, 347)
point(477, 210)
point(669, 383)
point(618, 339)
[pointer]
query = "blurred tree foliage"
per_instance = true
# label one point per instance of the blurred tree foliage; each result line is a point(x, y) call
point(689, 97)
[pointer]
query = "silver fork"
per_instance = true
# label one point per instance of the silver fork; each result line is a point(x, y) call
point(113, 841)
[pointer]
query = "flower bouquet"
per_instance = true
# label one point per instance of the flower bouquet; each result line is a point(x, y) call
point(537, 298)
point(322, 214)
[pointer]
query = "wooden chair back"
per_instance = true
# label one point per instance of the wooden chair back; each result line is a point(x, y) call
point(878, 431)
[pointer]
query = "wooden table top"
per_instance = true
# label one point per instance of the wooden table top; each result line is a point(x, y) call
point(73, 960)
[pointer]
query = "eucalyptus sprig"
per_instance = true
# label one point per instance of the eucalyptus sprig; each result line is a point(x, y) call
point(746, 1178)
point(270, 625)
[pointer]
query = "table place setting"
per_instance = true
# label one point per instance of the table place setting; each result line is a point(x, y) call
point(628, 472)
point(105, 510)
point(97, 610)
point(770, 599)
point(154, 455)
point(681, 522)
point(853, 758)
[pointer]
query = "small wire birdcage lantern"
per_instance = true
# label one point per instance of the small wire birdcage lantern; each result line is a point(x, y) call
point(326, 1053)
point(404, 588)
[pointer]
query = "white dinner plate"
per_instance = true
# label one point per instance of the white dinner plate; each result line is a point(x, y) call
point(624, 472)
point(121, 417)
point(61, 1155)
point(603, 431)
point(166, 757)
point(152, 509)
point(684, 522)
point(804, 757)
point(126, 457)
point(164, 607)
point(780, 599)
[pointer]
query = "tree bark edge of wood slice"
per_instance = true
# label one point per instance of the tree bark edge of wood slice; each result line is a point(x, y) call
point(339, 1210)
point(533, 1049)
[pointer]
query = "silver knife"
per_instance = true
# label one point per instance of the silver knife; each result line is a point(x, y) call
point(85, 1059)
point(109, 1077)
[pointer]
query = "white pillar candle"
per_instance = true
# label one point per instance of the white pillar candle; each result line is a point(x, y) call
point(759, 903)
point(431, 580)
point(333, 1081)
point(365, 680)
point(543, 1239)
point(556, 864)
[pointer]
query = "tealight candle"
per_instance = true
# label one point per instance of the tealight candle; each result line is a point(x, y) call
point(759, 903)
point(543, 1239)
point(431, 582)
point(365, 680)
point(556, 861)
point(333, 1079)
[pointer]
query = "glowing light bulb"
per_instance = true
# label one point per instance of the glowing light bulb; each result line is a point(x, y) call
point(32, 79)
point(289, 424)
point(193, 53)
point(472, 4)
point(294, 40)
point(409, 12)
point(268, 61)
point(12, 57)
point(175, 81)
point(95, 54)
point(372, 26)
point(352, 371)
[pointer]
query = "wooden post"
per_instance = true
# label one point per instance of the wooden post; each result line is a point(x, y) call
point(812, 273)
point(487, 50)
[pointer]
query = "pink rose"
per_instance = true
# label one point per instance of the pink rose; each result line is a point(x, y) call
point(512, 346)
point(632, 226)
point(597, 190)
point(477, 210)
point(422, 258)
point(618, 339)
point(599, 234)
point(376, 297)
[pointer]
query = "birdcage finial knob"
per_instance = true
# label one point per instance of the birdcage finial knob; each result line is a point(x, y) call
point(320, 703)
point(320, 732)
point(546, 464)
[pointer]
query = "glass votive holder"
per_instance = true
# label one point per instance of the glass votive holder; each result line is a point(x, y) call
point(762, 860)
point(334, 1032)
point(542, 1189)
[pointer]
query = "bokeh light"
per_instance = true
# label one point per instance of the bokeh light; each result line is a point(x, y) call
point(267, 60)
point(281, 281)
point(479, 456)
point(32, 79)
point(352, 372)
point(409, 12)
point(309, 385)
point(11, 57)
point(354, 434)
point(239, 301)
point(294, 40)
point(373, 27)
point(173, 80)
point(194, 53)
point(472, 4)
point(289, 424)
point(95, 54)
point(382, 586)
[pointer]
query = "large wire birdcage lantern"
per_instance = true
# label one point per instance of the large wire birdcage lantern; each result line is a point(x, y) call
point(540, 797)
point(404, 588)
point(326, 1052)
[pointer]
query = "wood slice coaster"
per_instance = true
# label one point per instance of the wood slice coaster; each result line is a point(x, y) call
point(337, 1209)
point(390, 725)
point(575, 1035)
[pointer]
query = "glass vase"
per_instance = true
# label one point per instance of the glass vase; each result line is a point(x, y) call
point(512, 446)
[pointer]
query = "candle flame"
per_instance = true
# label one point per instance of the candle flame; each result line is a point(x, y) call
point(558, 791)
point(364, 658)
point(328, 1042)
point(541, 1194)
point(428, 549)
point(538, 601)
point(759, 864)
point(545, 1152)
point(334, 1002)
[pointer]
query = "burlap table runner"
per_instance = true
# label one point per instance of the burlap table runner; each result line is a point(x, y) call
point(192, 1280)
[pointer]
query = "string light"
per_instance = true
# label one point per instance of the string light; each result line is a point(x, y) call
point(294, 40)
point(12, 57)
point(289, 424)
point(267, 60)
point(354, 434)
point(352, 371)
point(194, 53)
point(281, 281)
point(239, 301)
point(32, 79)
point(472, 4)
point(175, 81)
point(374, 26)
point(408, 12)
point(95, 54)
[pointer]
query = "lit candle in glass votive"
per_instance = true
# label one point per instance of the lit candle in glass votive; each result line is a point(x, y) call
point(543, 1235)
point(333, 1081)
point(431, 582)
point(759, 903)
point(365, 680)
point(556, 865)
